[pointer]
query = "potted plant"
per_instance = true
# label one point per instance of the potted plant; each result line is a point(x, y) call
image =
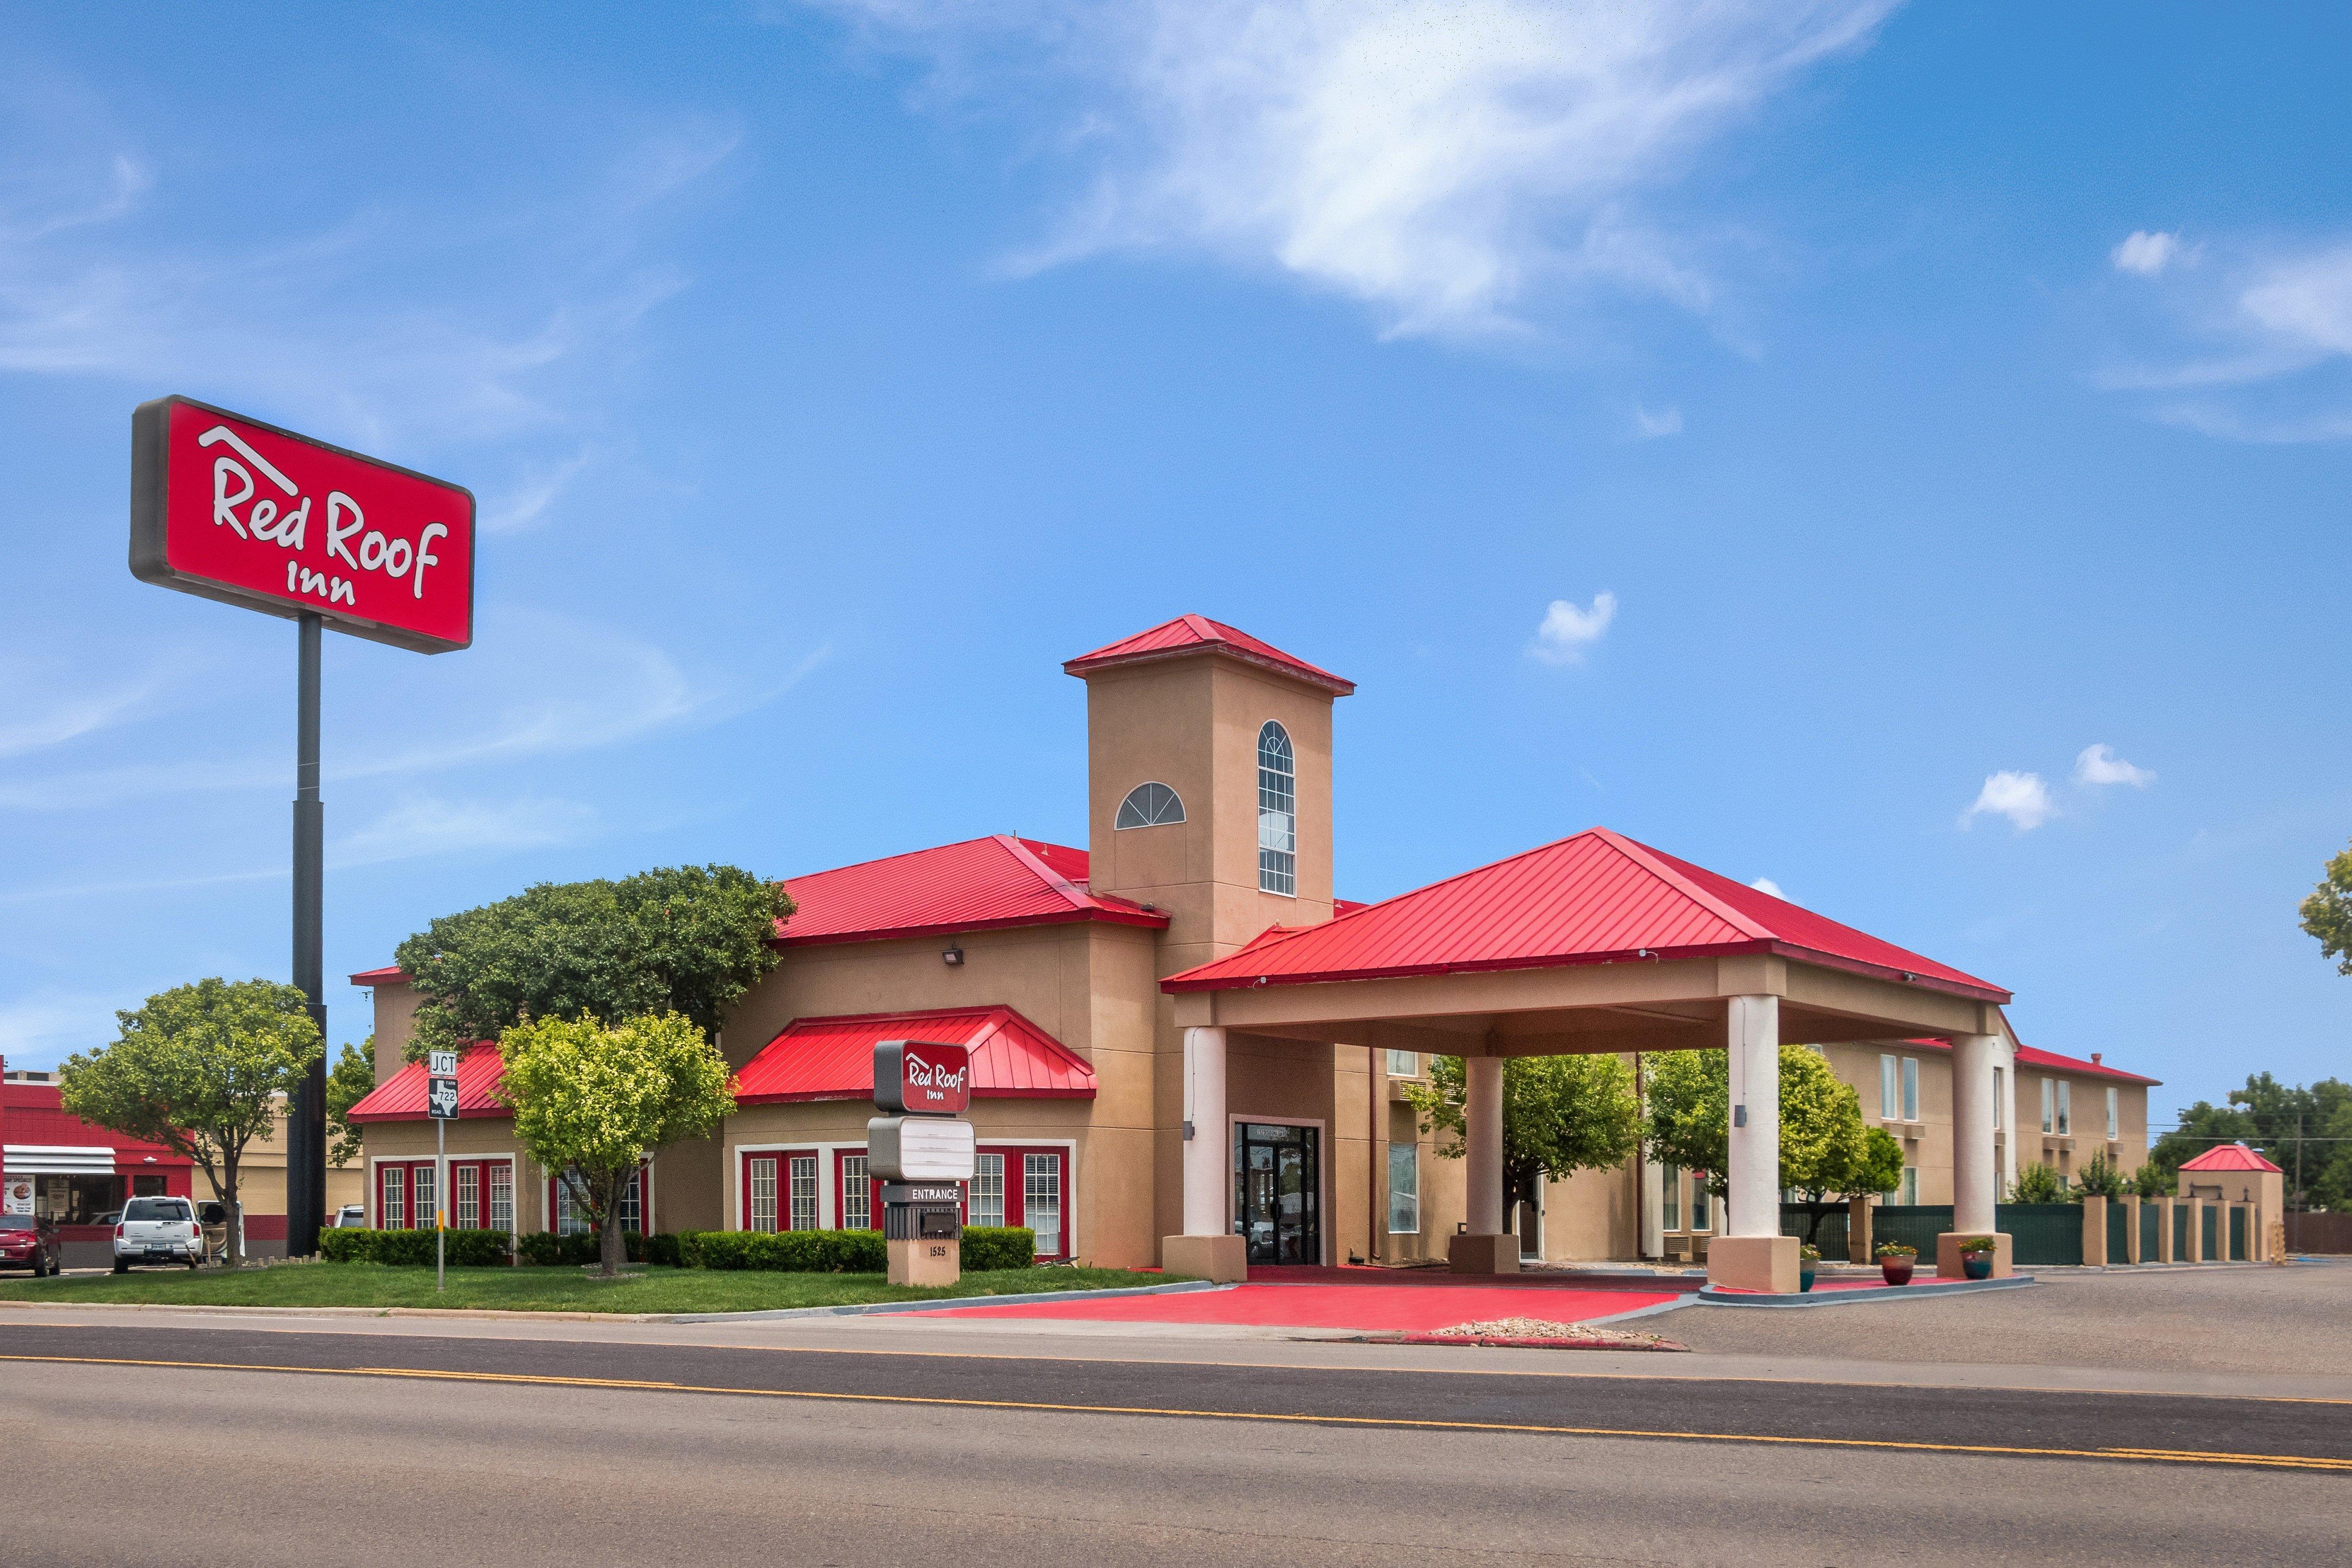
point(1976, 1255)
point(1895, 1262)
point(1809, 1260)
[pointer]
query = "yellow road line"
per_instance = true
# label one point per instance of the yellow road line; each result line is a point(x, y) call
point(2162, 1456)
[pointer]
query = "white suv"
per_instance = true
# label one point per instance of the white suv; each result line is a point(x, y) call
point(158, 1230)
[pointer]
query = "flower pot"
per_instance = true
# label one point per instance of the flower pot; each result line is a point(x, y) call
point(1804, 1279)
point(1977, 1265)
point(1896, 1270)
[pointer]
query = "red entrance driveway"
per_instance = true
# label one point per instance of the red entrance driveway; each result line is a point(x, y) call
point(1388, 1302)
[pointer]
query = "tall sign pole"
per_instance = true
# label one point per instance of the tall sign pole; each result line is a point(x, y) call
point(233, 509)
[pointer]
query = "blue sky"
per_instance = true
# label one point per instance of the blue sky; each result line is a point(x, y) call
point(1771, 431)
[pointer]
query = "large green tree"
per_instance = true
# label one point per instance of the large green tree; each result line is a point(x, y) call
point(2327, 912)
point(1829, 1154)
point(2304, 1128)
point(1561, 1115)
point(682, 938)
point(349, 1082)
point(202, 1070)
point(591, 1103)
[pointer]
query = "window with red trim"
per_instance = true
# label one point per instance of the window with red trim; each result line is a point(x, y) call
point(779, 1189)
point(857, 1197)
point(568, 1215)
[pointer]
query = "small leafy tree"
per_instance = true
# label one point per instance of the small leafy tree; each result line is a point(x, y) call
point(682, 938)
point(1561, 1115)
point(1829, 1154)
point(2098, 1179)
point(593, 1103)
point(349, 1082)
point(200, 1070)
point(2037, 1184)
point(2151, 1180)
point(2327, 912)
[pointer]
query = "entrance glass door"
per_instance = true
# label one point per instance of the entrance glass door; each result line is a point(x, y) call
point(1278, 1185)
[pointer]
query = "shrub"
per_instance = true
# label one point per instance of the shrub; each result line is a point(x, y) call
point(1808, 1253)
point(546, 1249)
point(1896, 1250)
point(414, 1249)
point(786, 1251)
point(2037, 1184)
point(999, 1247)
point(1979, 1243)
point(659, 1249)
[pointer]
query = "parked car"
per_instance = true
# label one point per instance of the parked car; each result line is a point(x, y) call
point(30, 1241)
point(158, 1230)
point(350, 1217)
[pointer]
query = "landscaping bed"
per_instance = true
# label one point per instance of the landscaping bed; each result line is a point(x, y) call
point(556, 1290)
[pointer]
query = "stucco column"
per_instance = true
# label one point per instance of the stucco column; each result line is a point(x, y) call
point(1975, 1186)
point(1753, 1208)
point(1654, 1209)
point(2010, 1131)
point(1482, 1140)
point(1208, 1157)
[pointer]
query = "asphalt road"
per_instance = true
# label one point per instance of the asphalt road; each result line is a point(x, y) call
point(359, 1449)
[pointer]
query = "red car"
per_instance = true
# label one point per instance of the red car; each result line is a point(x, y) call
point(30, 1241)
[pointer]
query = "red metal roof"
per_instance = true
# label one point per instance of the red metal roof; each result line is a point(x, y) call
point(1592, 898)
point(390, 974)
point(833, 1058)
point(35, 1113)
point(2229, 1157)
point(401, 1097)
point(2051, 1061)
point(979, 884)
point(1198, 634)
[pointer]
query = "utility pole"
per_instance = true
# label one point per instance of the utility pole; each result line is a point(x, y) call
point(306, 1129)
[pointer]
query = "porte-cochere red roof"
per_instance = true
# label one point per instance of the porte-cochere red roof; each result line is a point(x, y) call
point(1596, 896)
point(833, 1058)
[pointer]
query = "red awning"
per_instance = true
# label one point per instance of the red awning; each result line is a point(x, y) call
point(833, 1058)
point(401, 1097)
point(2229, 1157)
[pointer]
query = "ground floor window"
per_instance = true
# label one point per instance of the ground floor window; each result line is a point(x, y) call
point(1011, 1184)
point(567, 1205)
point(1674, 1201)
point(1041, 1201)
point(1910, 1189)
point(1404, 1189)
point(71, 1199)
point(803, 1192)
point(779, 1190)
point(853, 1190)
point(987, 1205)
point(1702, 1217)
point(391, 1209)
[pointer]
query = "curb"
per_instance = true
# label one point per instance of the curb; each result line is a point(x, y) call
point(937, 1304)
point(1712, 1297)
point(1508, 1342)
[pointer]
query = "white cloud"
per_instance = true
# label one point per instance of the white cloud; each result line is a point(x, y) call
point(423, 825)
point(1767, 885)
point(2100, 765)
point(528, 500)
point(1664, 422)
point(35, 716)
point(1439, 164)
point(2146, 254)
point(2022, 798)
point(40, 1030)
point(1567, 630)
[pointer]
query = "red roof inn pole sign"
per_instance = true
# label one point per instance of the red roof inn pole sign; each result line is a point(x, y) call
point(249, 514)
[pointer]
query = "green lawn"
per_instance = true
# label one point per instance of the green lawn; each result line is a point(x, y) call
point(540, 1289)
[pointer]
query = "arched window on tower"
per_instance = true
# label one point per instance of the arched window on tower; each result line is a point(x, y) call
point(1150, 805)
point(1277, 812)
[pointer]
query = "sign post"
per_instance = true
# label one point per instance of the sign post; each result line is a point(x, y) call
point(231, 509)
point(921, 1152)
point(441, 1105)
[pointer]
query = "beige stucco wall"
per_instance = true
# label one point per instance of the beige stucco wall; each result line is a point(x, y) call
point(395, 1021)
point(2070, 1152)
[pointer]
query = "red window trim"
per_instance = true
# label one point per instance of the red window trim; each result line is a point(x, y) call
point(784, 1158)
point(408, 1167)
point(1016, 1187)
point(841, 1191)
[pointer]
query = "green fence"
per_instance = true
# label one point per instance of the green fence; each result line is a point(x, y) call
point(1831, 1237)
point(2237, 1236)
point(2211, 1251)
point(2118, 1232)
point(2151, 1233)
point(2179, 1233)
point(2042, 1233)
point(1914, 1225)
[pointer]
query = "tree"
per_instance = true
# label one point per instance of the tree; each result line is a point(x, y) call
point(682, 938)
point(1561, 1115)
point(1827, 1153)
point(2327, 912)
point(2098, 1179)
point(2305, 1130)
point(349, 1082)
point(594, 1102)
point(200, 1071)
point(2151, 1180)
point(2037, 1184)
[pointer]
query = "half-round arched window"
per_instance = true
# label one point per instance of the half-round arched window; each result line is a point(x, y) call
point(1150, 805)
point(1277, 812)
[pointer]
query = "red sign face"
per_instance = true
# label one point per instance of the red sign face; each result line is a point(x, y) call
point(242, 511)
point(923, 1078)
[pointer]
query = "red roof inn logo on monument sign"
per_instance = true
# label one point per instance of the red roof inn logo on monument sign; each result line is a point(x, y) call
point(236, 510)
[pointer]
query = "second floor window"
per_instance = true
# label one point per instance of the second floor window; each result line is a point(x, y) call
point(1910, 1089)
point(2114, 1113)
point(1404, 1064)
point(2065, 1108)
point(2049, 1105)
point(1277, 812)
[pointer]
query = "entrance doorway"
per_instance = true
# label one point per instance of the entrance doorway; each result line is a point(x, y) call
point(1277, 1192)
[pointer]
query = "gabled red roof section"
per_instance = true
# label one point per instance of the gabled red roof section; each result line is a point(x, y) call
point(2051, 1061)
point(1596, 896)
point(390, 974)
point(2230, 1157)
point(401, 1097)
point(1198, 634)
point(977, 885)
point(833, 1058)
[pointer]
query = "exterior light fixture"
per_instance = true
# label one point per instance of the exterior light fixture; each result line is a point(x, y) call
point(952, 957)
